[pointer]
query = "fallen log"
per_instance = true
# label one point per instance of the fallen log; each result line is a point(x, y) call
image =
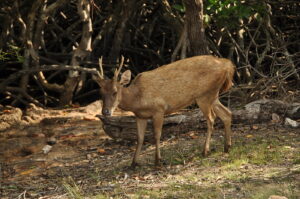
point(261, 111)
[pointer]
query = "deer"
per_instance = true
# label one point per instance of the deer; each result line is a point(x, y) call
point(169, 88)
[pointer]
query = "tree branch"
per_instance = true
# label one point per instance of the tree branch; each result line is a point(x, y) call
point(14, 76)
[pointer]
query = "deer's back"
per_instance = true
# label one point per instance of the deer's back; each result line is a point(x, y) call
point(178, 84)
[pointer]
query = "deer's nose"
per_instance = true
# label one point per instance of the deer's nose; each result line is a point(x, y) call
point(106, 112)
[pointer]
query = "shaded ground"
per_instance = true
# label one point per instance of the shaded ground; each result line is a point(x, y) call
point(84, 162)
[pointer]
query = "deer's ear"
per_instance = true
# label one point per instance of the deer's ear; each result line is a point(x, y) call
point(99, 80)
point(125, 78)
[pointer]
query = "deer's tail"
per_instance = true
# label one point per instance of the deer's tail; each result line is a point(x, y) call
point(228, 79)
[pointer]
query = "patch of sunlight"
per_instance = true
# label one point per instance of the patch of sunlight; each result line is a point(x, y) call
point(260, 152)
point(235, 175)
point(100, 196)
point(237, 163)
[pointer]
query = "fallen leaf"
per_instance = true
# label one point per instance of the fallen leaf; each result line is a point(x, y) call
point(100, 150)
point(254, 127)
point(139, 178)
point(133, 148)
point(55, 164)
point(89, 119)
point(275, 118)
point(249, 136)
point(192, 133)
point(27, 172)
point(63, 137)
point(194, 136)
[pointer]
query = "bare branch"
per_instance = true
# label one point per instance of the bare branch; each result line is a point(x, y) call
point(54, 6)
point(14, 76)
point(25, 94)
point(49, 86)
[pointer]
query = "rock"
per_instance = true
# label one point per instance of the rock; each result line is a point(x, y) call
point(291, 110)
point(295, 111)
point(46, 149)
point(291, 123)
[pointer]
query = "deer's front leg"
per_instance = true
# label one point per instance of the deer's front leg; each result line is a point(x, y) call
point(210, 116)
point(157, 127)
point(141, 127)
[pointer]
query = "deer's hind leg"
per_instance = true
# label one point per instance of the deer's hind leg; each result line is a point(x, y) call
point(208, 112)
point(226, 116)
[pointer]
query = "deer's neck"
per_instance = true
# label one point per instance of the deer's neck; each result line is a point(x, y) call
point(129, 98)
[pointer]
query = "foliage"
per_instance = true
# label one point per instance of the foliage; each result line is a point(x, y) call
point(13, 53)
point(227, 13)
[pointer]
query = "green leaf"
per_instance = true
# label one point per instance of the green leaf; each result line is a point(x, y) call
point(206, 18)
point(179, 7)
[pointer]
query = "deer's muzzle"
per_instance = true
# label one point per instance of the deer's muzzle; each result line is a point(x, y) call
point(106, 112)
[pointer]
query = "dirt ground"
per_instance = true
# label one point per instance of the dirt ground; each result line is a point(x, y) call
point(66, 154)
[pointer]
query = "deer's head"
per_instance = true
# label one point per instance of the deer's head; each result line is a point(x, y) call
point(111, 89)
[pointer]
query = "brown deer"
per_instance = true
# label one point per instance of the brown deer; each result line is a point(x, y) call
point(155, 93)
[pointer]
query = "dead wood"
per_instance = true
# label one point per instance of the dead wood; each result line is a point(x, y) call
point(54, 67)
point(260, 111)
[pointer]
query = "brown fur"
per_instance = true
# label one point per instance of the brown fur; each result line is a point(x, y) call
point(171, 87)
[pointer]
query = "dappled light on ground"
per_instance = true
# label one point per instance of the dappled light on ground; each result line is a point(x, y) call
point(82, 161)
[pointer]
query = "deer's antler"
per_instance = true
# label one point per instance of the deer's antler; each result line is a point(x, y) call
point(101, 73)
point(117, 71)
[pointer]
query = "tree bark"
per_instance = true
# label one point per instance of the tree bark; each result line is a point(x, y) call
point(29, 52)
point(128, 8)
point(181, 45)
point(195, 27)
point(80, 53)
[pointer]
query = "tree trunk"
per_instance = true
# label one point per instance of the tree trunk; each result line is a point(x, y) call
point(128, 8)
point(29, 53)
point(80, 53)
point(5, 32)
point(195, 27)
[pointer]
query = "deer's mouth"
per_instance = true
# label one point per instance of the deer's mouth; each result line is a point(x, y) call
point(106, 112)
